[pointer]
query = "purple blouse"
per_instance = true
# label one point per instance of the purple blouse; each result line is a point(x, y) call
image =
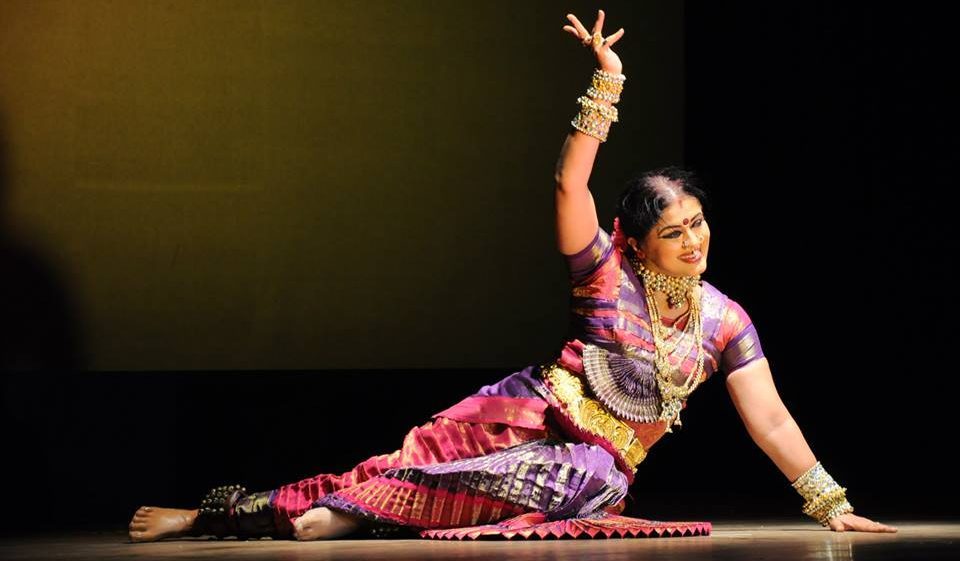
point(609, 310)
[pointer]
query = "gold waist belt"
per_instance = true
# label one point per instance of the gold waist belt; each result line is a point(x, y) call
point(592, 416)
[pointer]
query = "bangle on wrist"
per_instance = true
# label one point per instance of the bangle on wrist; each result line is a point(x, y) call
point(825, 499)
point(595, 118)
point(605, 86)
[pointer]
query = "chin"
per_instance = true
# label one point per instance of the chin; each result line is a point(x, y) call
point(692, 270)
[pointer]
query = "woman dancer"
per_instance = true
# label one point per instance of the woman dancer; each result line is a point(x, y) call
point(551, 450)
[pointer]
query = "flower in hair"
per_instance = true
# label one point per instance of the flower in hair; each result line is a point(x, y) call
point(619, 239)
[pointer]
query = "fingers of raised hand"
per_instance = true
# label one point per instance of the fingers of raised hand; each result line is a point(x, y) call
point(598, 25)
point(572, 30)
point(614, 38)
point(578, 30)
point(581, 31)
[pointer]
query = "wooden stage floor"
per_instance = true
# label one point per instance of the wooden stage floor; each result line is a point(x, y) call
point(742, 540)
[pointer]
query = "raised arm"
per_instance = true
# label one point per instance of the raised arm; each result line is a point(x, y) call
point(576, 213)
point(776, 433)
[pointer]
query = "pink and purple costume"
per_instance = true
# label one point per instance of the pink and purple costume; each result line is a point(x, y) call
point(548, 451)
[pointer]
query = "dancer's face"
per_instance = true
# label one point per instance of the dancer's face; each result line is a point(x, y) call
point(678, 243)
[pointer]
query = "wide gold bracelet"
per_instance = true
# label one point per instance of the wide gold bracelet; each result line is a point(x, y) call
point(592, 123)
point(825, 499)
point(595, 118)
point(606, 111)
point(605, 86)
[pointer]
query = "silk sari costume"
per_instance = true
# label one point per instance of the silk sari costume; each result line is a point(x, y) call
point(548, 451)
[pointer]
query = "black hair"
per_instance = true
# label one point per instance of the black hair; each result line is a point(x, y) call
point(643, 199)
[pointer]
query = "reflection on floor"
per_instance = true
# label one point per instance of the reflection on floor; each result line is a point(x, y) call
point(729, 540)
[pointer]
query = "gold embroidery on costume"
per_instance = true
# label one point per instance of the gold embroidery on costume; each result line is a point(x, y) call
point(561, 483)
point(457, 510)
point(536, 496)
point(518, 481)
point(590, 415)
point(496, 510)
point(476, 508)
point(585, 291)
point(420, 501)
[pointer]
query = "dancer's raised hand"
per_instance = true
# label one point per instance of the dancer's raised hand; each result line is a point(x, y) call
point(607, 60)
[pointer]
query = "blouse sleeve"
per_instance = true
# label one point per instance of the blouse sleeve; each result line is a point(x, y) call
point(741, 344)
point(582, 264)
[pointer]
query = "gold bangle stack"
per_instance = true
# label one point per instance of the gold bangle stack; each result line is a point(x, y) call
point(608, 112)
point(825, 499)
point(595, 118)
point(605, 86)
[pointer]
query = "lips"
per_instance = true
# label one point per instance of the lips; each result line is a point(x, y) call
point(692, 257)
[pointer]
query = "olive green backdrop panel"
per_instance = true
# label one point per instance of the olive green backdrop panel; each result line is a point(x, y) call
point(260, 185)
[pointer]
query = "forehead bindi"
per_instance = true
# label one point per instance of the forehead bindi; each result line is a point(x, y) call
point(681, 212)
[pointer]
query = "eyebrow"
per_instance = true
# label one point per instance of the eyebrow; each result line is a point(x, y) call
point(677, 226)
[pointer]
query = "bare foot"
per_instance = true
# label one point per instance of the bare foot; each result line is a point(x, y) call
point(152, 523)
point(322, 523)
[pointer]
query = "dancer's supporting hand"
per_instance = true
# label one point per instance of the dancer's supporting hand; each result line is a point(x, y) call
point(855, 523)
point(607, 60)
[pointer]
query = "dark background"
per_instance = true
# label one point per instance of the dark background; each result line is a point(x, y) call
point(248, 244)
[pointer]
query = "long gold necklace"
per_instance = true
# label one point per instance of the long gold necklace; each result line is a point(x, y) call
point(672, 395)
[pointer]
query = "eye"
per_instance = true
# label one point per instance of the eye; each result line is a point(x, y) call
point(673, 234)
point(698, 223)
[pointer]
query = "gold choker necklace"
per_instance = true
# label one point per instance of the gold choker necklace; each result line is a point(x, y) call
point(677, 289)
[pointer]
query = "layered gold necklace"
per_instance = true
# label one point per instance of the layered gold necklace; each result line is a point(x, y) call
point(679, 290)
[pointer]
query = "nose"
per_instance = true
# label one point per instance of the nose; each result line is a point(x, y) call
point(694, 241)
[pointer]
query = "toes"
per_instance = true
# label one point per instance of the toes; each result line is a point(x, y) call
point(141, 537)
point(304, 531)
